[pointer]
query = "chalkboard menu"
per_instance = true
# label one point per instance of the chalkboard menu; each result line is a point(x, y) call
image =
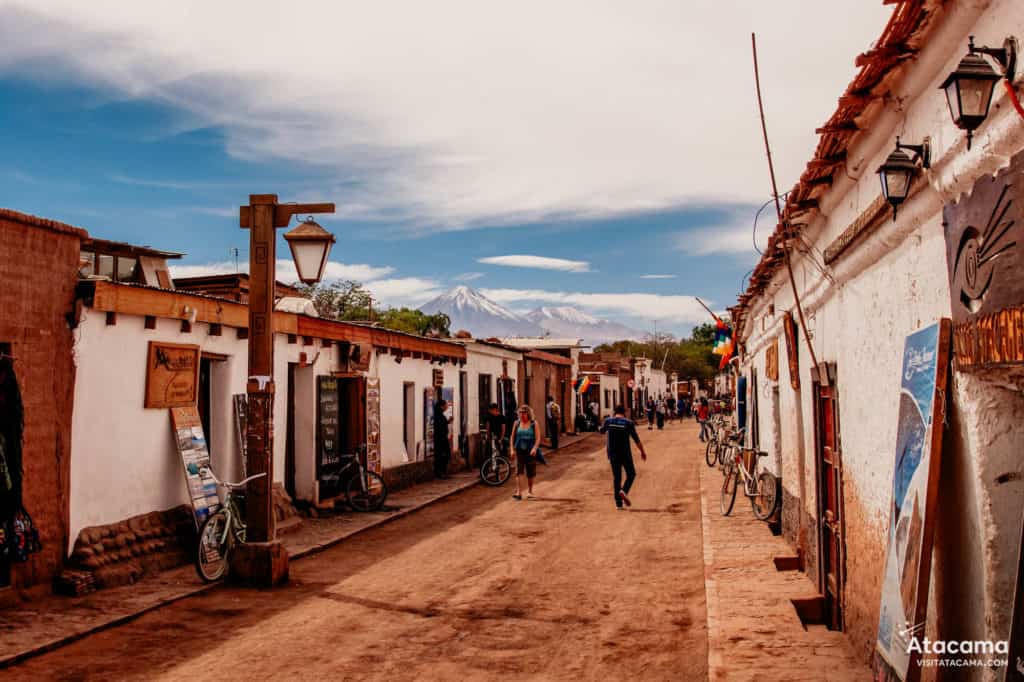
point(327, 433)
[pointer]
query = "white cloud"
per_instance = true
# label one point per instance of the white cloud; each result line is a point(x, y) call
point(538, 262)
point(658, 276)
point(735, 236)
point(405, 291)
point(671, 309)
point(286, 272)
point(468, 276)
point(457, 111)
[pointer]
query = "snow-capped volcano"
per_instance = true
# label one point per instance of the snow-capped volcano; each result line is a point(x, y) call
point(470, 310)
point(566, 321)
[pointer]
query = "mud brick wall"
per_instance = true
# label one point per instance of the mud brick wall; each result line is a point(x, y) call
point(121, 553)
point(38, 273)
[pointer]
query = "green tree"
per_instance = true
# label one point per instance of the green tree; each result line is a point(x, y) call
point(350, 301)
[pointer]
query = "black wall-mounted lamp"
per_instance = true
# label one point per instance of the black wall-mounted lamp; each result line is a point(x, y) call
point(969, 88)
point(899, 169)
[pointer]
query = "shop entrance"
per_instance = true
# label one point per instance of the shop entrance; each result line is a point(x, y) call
point(341, 429)
point(832, 573)
point(11, 426)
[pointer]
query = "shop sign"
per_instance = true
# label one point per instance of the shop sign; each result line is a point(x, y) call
point(438, 378)
point(428, 423)
point(172, 374)
point(771, 360)
point(912, 510)
point(985, 256)
point(327, 434)
point(195, 458)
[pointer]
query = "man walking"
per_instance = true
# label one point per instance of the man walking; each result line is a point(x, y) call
point(442, 446)
point(552, 419)
point(620, 430)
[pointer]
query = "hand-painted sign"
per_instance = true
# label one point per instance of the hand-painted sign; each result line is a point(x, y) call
point(327, 435)
point(985, 256)
point(428, 423)
point(922, 411)
point(191, 444)
point(172, 374)
point(373, 424)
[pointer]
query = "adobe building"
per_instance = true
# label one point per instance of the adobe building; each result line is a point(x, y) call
point(38, 262)
point(869, 278)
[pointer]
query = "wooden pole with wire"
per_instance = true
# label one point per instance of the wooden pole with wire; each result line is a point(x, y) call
point(778, 212)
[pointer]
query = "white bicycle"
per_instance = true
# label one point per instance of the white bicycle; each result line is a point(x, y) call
point(222, 529)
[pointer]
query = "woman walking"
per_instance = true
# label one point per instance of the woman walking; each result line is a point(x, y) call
point(524, 443)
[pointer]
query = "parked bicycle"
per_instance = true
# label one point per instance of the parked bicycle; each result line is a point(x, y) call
point(365, 490)
point(761, 488)
point(496, 467)
point(719, 432)
point(222, 529)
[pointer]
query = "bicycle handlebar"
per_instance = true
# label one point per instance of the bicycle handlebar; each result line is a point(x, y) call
point(229, 484)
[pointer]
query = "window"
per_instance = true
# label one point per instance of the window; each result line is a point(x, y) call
point(127, 268)
point(89, 267)
point(484, 396)
point(105, 266)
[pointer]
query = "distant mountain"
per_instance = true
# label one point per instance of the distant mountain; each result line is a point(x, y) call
point(569, 322)
point(470, 310)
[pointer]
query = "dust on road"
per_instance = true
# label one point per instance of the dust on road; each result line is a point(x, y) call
point(476, 587)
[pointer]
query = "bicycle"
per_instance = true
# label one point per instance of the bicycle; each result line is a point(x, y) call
point(729, 440)
point(761, 489)
point(222, 529)
point(365, 490)
point(496, 467)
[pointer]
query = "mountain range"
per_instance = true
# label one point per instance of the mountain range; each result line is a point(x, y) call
point(470, 310)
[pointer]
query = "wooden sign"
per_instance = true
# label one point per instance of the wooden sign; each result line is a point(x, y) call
point(915, 487)
point(792, 353)
point(771, 360)
point(172, 374)
point(438, 378)
point(985, 256)
point(195, 458)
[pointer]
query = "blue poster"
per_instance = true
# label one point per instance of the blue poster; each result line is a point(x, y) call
point(903, 595)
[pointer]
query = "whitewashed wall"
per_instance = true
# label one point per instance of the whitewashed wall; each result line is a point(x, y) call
point(881, 291)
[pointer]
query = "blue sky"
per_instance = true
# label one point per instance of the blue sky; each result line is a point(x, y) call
point(440, 151)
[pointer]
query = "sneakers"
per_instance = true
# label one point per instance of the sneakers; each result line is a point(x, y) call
point(530, 496)
point(625, 500)
point(621, 508)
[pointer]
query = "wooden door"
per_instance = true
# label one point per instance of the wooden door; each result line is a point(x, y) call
point(830, 503)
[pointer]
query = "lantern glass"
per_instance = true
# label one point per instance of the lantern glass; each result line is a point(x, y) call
point(896, 184)
point(310, 259)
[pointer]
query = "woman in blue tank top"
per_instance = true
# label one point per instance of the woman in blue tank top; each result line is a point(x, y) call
point(524, 443)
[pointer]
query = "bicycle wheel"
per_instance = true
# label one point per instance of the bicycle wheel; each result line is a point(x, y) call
point(495, 470)
point(766, 499)
point(728, 498)
point(213, 548)
point(368, 496)
point(711, 452)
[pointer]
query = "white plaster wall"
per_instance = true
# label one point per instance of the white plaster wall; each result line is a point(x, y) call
point(124, 461)
point(482, 359)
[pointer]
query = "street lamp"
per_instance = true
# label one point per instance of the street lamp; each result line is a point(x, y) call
point(310, 245)
point(262, 560)
point(969, 88)
point(899, 169)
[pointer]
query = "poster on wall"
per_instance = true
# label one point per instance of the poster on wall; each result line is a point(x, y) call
point(428, 423)
point(448, 395)
point(241, 405)
point(172, 374)
point(195, 458)
point(1015, 668)
point(373, 425)
point(912, 509)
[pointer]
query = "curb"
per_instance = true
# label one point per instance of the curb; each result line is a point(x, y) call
point(710, 587)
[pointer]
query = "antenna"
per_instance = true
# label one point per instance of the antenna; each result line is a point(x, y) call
point(234, 251)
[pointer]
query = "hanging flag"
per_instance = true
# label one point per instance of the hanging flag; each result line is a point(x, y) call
point(723, 342)
point(583, 383)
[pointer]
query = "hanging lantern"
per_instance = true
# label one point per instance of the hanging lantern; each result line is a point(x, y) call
point(310, 245)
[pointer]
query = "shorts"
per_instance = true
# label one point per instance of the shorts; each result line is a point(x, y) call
point(526, 462)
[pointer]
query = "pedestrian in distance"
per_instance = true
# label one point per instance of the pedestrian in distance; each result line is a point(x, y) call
point(702, 418)
point(659, 409)
point(552, 420)
point(650, 413)
point(620, 455)
point(524, 440)
point(670, 408)
point(442, 445)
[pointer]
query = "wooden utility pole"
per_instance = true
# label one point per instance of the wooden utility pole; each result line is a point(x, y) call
point(262, 561)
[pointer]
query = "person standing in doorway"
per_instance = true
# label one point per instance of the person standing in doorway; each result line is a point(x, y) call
point(552, 420)
point(524, 441)
point(620, 431)
point(496, 428)
point(442, 446)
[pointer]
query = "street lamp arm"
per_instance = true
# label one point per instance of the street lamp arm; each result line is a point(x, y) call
point(283, 212)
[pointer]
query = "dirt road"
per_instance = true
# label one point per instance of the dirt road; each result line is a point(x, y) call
point(476, 587)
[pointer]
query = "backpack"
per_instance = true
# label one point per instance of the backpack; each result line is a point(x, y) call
point(556, 411)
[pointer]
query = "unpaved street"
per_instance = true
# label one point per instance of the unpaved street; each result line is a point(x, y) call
point(476, 587)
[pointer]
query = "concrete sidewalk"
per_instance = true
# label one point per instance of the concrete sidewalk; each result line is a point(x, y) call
point(753, 629)
point(45, 624)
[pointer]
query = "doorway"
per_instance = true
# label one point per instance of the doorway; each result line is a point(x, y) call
point(409, 420)
point(483, 397)
point(12, 422)
point(289, 441)
point(828, 455)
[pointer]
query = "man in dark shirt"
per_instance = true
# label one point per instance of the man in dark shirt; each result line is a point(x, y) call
point(620, 430)
point(442, 447)
point(496, 427)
